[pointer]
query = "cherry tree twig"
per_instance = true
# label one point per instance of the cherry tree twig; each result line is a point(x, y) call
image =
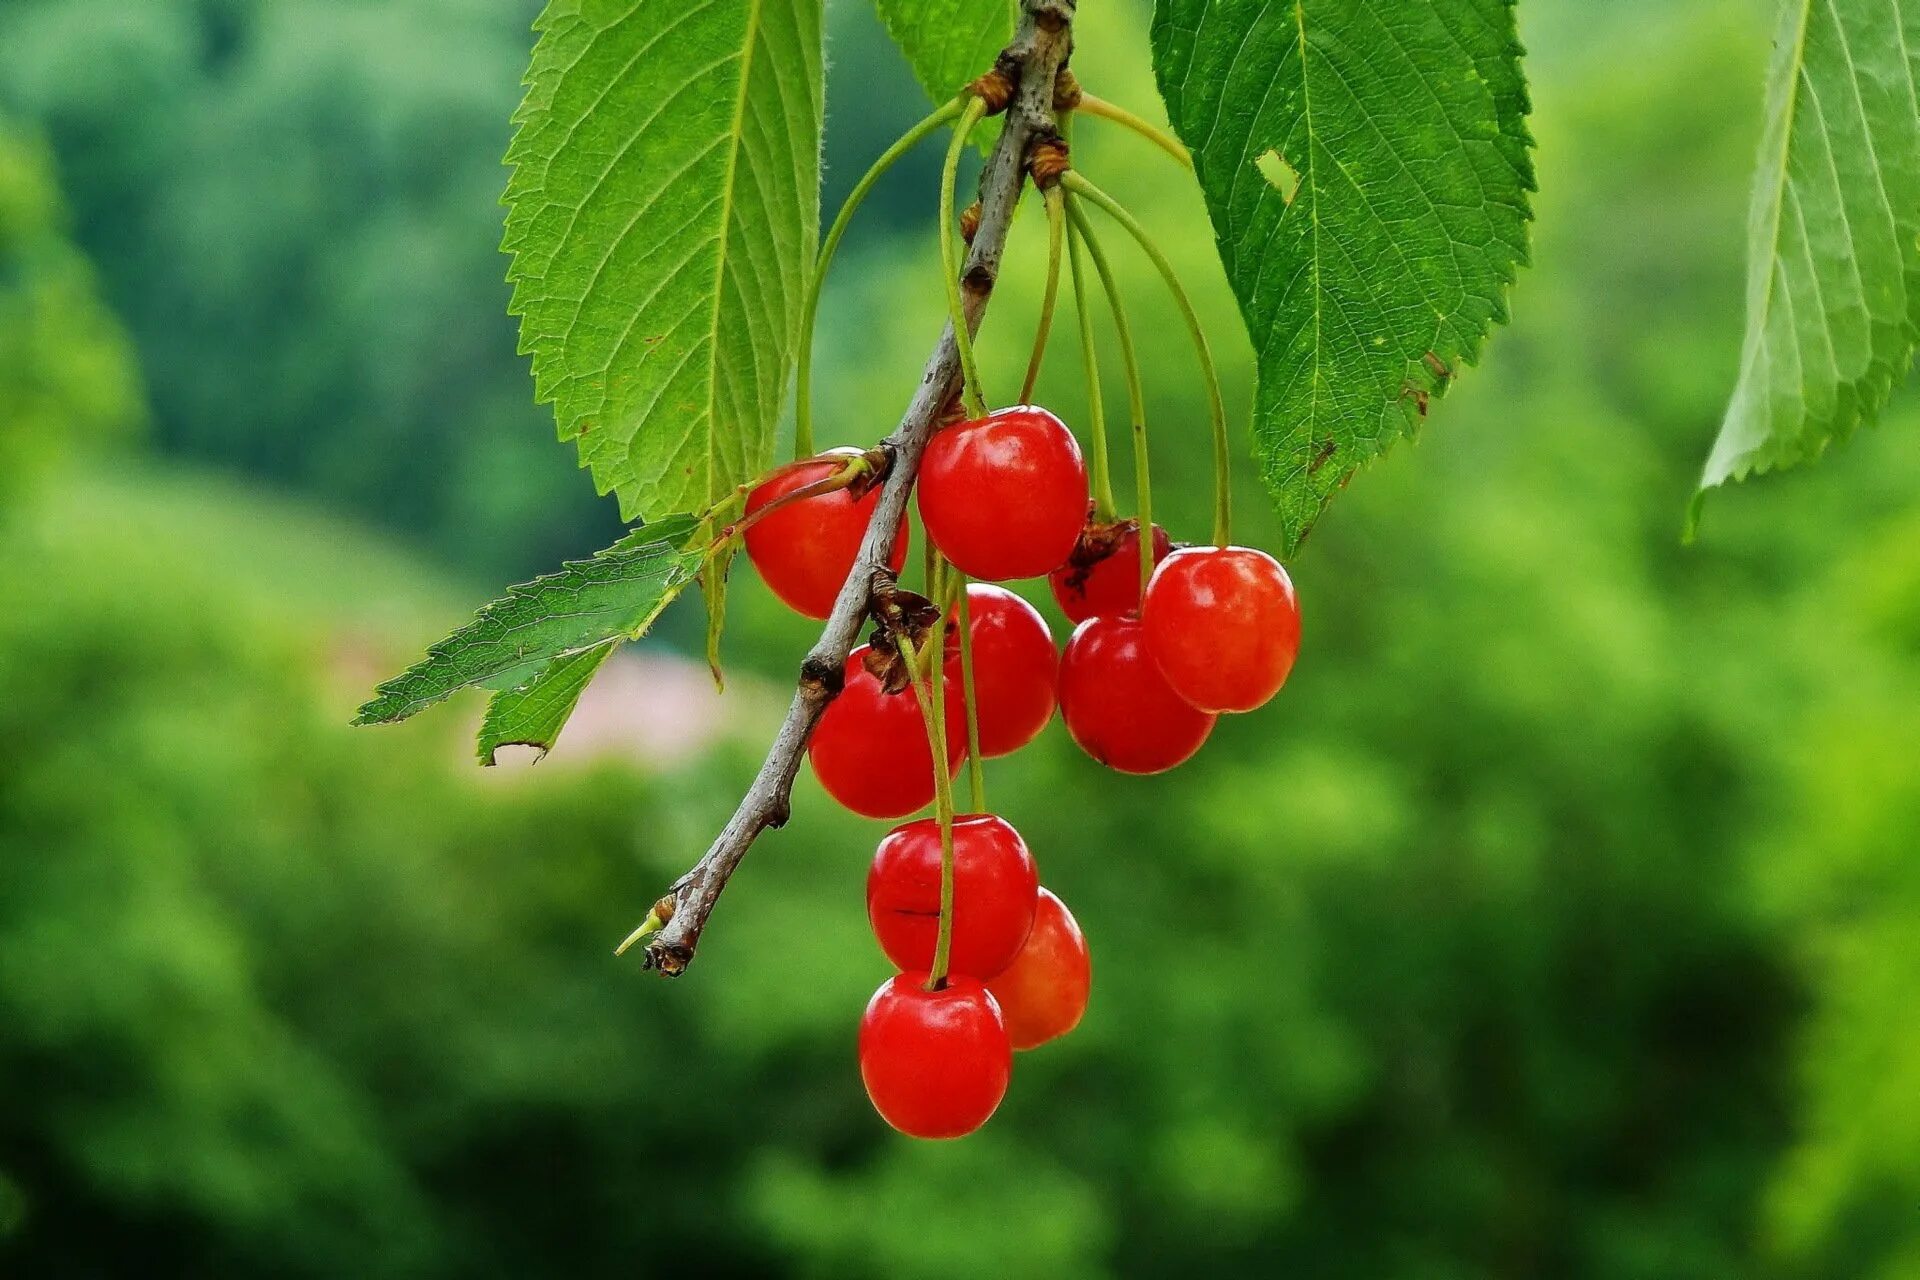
point(1031, 63)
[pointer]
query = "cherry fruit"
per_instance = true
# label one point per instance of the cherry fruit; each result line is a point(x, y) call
point(1223, 625)
point(870, 749)
point(1118, 706)
point(1043, 993)
point(1103, 574)
point(935, 1063)
point(1004, 496)
point(1016, 670)
point(805, 550)
point(994, 894)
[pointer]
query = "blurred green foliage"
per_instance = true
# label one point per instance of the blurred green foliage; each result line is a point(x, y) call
point(69, 383)
point(1561, 919)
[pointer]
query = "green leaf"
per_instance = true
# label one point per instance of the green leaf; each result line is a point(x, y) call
point(1366, 168)
point(663, 214)
point(1833, 236)
point(948, 42)
point(713, 585)
point(531, 714)
point(589, 604)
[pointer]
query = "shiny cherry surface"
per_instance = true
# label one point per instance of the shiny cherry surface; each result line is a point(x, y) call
point(1118, 706)
point(935, 1063)
point(1004, 496)
point(1223, 626)
point(870, 750)
point(995, 890)
point(1111, 584)
point(1016, 669)
point(805, 550)
point(1043, 993)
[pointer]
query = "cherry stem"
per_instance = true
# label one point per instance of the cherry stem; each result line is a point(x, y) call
point(1104, 506)
point(928, 691)
point(842, 478)
point(803, 396)
point(1210, 376)
point(1136, 397)
point(976, 769)
point(1097, 106)
point(1056, 234)
point(970, 394)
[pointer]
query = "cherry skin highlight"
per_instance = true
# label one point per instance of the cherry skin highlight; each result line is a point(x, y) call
point(870, 750)
point(1223, 626)
point(805, 550)
point(1109, 584)
point(935, 1063)
point(995, 888)
point(1118, 706)
point(1043, 993)
point(1004, 496)
point(1016, 670)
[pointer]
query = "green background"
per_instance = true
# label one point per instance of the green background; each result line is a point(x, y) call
point(1561, 918)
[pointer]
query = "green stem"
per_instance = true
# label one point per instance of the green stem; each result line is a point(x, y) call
point(970, 394)
point(842, 477)
point(1095, 106)
point(1136, 397)
point(929, 692)
point(803, 399)
point(1056, 233)
point(1104, 506)
point(976, 770)
point(1210, 376)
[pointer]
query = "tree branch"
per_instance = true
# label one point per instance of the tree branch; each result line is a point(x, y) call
point(1039, 49)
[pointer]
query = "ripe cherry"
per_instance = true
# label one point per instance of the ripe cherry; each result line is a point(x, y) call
point(870, 749)
point(1223, 625)
point(1044, 991)
point(805, 550)
point(1118, 706)
point(935, 1063)
point(1102, 576)
point(994, 888)
point(1016, 670)
point(1004, 496)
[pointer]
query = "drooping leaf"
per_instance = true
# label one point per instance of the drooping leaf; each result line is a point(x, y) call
point(1366, 168)
point(713, 587)
point(662, 217)
point(1833, 236)
point(948, 42)
point(532, 713)
point(589, 604)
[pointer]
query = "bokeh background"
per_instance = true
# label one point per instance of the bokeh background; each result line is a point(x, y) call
point(1562, 918)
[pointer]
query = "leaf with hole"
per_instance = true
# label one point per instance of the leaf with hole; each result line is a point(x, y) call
point(1833, 236)
point(662, 216)
point(1367, 172)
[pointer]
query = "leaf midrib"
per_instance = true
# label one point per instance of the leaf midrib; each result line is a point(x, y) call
point(1313, 203)
point(1791, 114)
point(726, 222)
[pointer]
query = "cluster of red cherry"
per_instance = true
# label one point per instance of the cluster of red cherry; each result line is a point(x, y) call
point(1139, 684)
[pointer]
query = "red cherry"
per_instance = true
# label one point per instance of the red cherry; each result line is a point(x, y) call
point(994, 888)
point(1044, 991)
point(870, 748)
point(1016, 670)
point(935, 1063)
point(1004, 496)
point(805, 550)
point(1223, 625)
point(1110, 581)
point(1118, 706)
